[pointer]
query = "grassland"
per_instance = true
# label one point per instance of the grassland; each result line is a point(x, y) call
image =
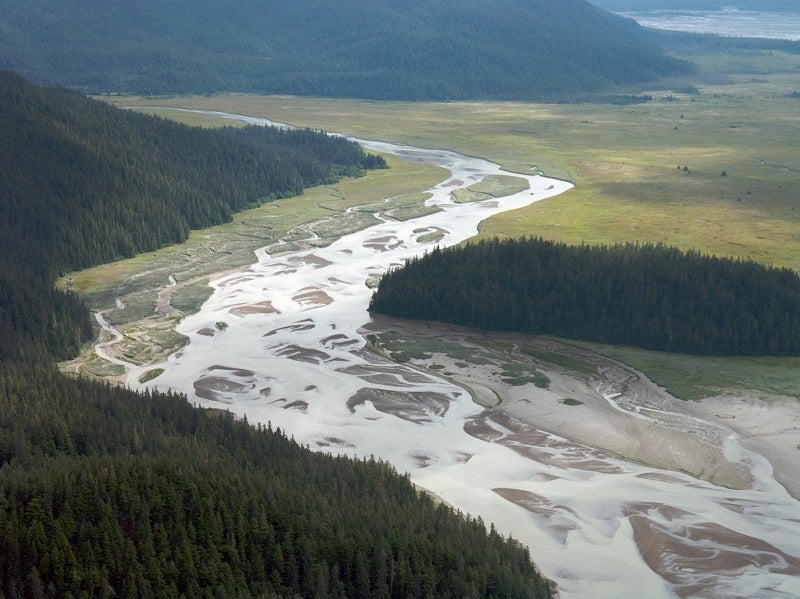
point(714, 167)
point(627, 161)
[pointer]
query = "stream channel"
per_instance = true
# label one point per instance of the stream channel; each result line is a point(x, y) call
point(281, 341)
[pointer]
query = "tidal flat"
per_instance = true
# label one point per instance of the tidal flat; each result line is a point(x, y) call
point(585, 467)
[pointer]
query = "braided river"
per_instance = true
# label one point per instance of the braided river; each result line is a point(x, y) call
point(282, 341)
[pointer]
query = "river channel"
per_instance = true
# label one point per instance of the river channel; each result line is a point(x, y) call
point(281, 341)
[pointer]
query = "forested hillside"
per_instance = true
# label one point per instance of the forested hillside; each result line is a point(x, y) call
point(106, 493)
point(647, 296)
point(415, 49)
point(83, 183)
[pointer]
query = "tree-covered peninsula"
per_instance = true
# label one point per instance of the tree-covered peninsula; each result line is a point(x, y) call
point(642, 295)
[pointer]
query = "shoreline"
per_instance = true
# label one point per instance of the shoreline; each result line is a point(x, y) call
point(660, 431)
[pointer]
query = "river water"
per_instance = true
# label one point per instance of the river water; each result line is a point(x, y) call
point(290, 353)
point(728, 22)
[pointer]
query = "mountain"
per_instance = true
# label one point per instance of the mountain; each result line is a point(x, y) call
point(381, 49)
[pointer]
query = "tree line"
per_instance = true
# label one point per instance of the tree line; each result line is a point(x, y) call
point(84, 183)
point(109, 493)
point(643, 295)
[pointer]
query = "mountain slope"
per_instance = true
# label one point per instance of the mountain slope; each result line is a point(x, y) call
point(414, 49)
point(84, 183)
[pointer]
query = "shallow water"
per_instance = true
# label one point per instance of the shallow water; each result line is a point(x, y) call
point(292, 355)
point(727, 22)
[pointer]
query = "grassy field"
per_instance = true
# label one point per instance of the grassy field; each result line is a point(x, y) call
point(627, 161)
point(714, 167)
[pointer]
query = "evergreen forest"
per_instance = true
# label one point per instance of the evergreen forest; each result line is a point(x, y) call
point(108, 493)
point(85, 183)
point(377, 49)
point(105, 492)
point(641, 295)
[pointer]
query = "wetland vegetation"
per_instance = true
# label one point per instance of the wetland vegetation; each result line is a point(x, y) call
point(737, 115)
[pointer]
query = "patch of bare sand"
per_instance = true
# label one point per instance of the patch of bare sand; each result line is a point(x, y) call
point(652, 428)
point(598, 423)
point(768, 425)
point(682, 549)
point(264, 307)
point(312, 297)
point(415, 407)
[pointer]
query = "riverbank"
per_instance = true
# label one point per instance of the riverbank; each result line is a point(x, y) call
point(280, 341)
point(602, 403)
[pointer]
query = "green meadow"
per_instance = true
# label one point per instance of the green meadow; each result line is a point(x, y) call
point(712, 166)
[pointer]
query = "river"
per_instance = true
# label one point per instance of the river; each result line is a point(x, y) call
point(280, 341)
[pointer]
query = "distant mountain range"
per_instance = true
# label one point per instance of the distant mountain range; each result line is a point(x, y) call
point(644, 5)
point(381, 49)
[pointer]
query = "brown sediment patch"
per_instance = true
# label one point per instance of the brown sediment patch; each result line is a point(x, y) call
point(264, 307)
point(538, 445)
point(313, 260)
point(234, 371)
point(692, 554)
point(414, 407)
point(301, 325)
point(453, 183)
point(329, 441)
point(338, 340)
point(207, 332)
point(386, 373)
point(423, 461)
point(463, 457)
point(210, 387)
point(312, 297)
point(551, 517)
point(297, 405)
point(235, 281)
point(383, 244)
point(265, 392)
point(303, 354)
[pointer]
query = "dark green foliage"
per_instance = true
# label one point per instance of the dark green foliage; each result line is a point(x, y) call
point(111, 493)
point(108, 493)
point(688, 44)
point(414, 50)
point(100, 183)
point(648, 296)
point(84, 183)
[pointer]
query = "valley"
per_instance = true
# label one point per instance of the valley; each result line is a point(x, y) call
point(281, 341)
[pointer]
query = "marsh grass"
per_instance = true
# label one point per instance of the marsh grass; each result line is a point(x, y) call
point(647, 172)
point(694, 377)
point(627, 161)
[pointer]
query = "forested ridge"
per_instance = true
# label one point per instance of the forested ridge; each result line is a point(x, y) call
point(84, 183)
point(643, 295)
point(104, 492)
point(377, 49)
